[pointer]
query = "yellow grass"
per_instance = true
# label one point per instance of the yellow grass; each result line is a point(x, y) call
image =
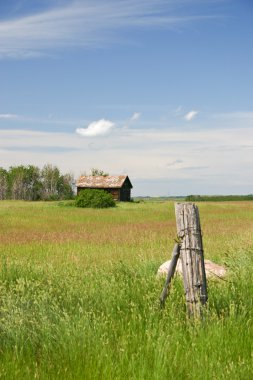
point(146, 231)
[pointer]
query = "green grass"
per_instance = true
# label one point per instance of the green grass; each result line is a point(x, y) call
point(79, 296)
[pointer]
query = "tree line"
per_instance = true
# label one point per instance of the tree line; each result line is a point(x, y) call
point(31, 183)
point(218, 198)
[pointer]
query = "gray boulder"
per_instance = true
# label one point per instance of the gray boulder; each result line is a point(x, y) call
point(212, 270)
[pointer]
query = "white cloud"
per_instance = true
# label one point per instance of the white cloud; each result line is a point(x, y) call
point(85, 23)
point(7, 116)
point(178, 110)
point(135, 116)
point(96, 128)
point(190, 115)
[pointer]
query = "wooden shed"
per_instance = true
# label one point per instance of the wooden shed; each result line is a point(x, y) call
point(119, 186)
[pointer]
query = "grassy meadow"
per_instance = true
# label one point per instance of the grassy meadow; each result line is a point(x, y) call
point(79, 296)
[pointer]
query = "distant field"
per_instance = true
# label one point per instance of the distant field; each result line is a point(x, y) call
point(79, 294)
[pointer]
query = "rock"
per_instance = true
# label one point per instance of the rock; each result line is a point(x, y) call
point(212, 269)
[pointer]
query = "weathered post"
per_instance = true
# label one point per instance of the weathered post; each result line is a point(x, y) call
point(170, 274)
point(192, 257)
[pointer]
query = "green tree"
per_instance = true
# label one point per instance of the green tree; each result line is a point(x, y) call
point(16, 182)
point(98, 172)
point(64, 186)
point(50, 176)
point(24, 182)
point(33, 185)
point(3, 183)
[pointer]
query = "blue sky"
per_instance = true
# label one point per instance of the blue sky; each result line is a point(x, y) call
point(159, 90)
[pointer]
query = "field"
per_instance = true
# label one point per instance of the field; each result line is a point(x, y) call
point(79, 294)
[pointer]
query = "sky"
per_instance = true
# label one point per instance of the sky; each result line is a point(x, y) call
point(160, 90)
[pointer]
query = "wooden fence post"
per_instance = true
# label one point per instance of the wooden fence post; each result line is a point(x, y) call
point(192, 257)
point(170, 274)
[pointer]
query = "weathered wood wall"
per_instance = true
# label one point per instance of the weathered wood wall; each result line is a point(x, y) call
point(123, 194)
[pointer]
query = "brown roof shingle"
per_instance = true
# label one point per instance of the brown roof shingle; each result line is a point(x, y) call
point(102, 182)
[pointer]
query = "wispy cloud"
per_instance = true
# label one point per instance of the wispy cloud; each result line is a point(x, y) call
point(178, 110)
point(143, 153)
point(234, 115)
point(96, 128)
point(8, 116)
point(174, 163)
point(190, 115)
point(87, 24)
point(135, 116)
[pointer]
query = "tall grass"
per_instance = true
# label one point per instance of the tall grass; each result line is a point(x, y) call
point(85, 305)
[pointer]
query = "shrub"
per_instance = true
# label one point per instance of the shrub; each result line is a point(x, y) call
point(94, 198)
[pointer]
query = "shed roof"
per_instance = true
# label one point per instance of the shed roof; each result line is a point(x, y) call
point(103, 182)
